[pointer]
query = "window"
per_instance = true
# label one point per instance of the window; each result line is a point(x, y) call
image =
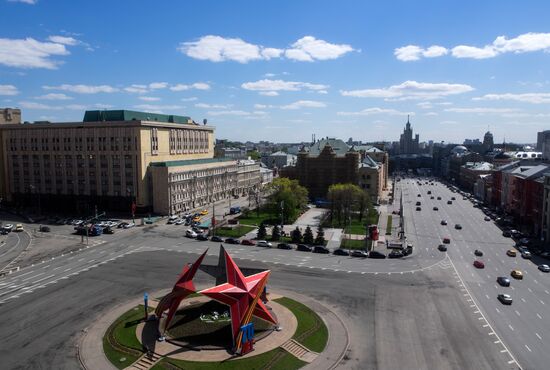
point(154, 141)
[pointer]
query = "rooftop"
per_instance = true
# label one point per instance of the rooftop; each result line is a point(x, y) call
point(130, 115)
point(338, 146)
point(190, 162)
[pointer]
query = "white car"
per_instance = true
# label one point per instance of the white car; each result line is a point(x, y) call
point(264, 243)
point(544, 268)
point(129, 225)
point(526, 255)
point(8, 227)
point(190, 234)
point(112, 224)
point(179, 222)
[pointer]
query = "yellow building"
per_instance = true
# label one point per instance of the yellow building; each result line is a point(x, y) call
point(102, 161)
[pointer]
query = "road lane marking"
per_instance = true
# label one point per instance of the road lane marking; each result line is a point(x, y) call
point(31, 277)
point(523, 299)
point(529, 349)
point(538, 336)
point(539, 316)
point(517, 313)
point(510, 326)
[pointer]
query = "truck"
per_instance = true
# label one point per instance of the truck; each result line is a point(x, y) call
point(234, 210)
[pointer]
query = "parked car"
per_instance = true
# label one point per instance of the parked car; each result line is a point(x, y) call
point(341, 252)
point(436, 209)
point(122, 225)
point(449, 202)
point(264, 244)
point(179, 221)
point(190, 233)
point(438, 198)
point(3, 231)
point(544, 268)
point(442, 247)
point(321, 249)
point(458, 226)
point(511, 253)
point(505, 299)
point(248, 242)
point(216, 239)
point(376, 254)
point(517, 274)
point(46, 229)
point(478, 264)
point(443, 222)
point(503, 281)
point(487, 218)
point(202, 237)
point(232, 241)
point(129, 225)
point(418, 209)
point(526, 255)
point(478, 253)
point(359, 253)
point(284, 246)
point(507, 234)
point(108, 230)
point(447, 240)
point(18, 228)
point(395, 254)
point(303, 248)
point(8, 227)
point(453, 198)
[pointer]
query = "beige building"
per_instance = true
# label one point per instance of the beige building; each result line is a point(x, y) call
point(102, 161)
point(248, 177)
point(10, 115)
point(371, 178)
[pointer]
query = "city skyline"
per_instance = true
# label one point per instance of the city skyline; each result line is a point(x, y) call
point(468, 67)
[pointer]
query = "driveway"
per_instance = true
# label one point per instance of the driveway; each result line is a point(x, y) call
point(312, 217)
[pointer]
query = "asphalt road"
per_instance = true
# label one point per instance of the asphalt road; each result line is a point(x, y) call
point(523, 325)
point(13, 244)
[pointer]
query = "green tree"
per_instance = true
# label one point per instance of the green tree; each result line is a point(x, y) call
point(346, 201)
point(262, 233)
point(296, 235)
point(253, 154)
point(320, 238)
point(276, 233)
point(308, 236)
point(286, 196)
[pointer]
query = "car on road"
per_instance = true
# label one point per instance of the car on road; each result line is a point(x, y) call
point(432, 197)
point(232, 241)
point(487, 218)
point(303, 248)
point(284, 246)
point(376, 254)
point(4, 231)
point(196, 219)
point(478, 253)
point(248, 242)
point(359, 254)
point(179, 221)
point(446, 240)
point(453, 198)
point(436, 209)
point(395, 254)
point(429, 192)
point(449, 202)
point(216, 239)
point(172, 219)
point(321, 249)
point(418, 209)
point(526, 255)
point(46, 229)
point(8, 227)
point(204, 212)
point(108, 230)
point(202, 237)
point(190, 234)
point(418, 203)
point(478, 264)
point(442, 247)
point(544, 268)
point(18, 228)
point(505, 299)
point(129, 225)
point(438, 198)
point(418, 195)
point(443, 222)
point(458, 226)
point(511, 253)
point(517, 274)
point(503, 281)
point(507, 234)
point(264, 244)
point(340, 252)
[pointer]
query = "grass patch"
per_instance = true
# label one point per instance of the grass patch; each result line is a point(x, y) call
point(236, 232)
point(356, 227)
point(120, 341)
point(256, 218)
point(311, 331)
point(353, 244)
point(389, 225)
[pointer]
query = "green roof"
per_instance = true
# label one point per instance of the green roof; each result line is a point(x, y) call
point(189, 162)
point(130, 115)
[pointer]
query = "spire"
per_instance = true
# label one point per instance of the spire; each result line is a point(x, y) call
point(408, 119)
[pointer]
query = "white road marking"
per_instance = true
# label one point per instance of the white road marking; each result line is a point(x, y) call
point(529, 349)
point(510, 326)
point(539, 316)
point(538, 336)
point(517, 313)
point(31, 277)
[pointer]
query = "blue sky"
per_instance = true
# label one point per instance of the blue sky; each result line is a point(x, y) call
point(283, 70)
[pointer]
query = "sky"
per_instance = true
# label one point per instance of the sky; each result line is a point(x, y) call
point(284, 70)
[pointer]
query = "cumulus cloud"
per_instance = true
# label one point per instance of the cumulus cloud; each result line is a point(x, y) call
point(534, 98)
point(270, 87)
point(41, 106)
point(54, 96)
point(481, 110)
point(158, 85)
point(304, 104)
point(219, 49)
point(213, 106)
point(195, 86)
point(30, 53)
point(375, 110)
point(8, 90)
point(524, 43)
point(411, 90)
point(83, 89)
point(148, 98)
point(413, 52)
point(65, 40)
point(193, 98)
point(30, 2)
point(269, 93)
point(137, 89)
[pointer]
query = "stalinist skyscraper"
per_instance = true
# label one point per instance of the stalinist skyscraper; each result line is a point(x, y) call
point(408, 145)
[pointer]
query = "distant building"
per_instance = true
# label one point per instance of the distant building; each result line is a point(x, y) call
point(543, 144)
point(248, 177)
point(371, 178)
point(279, 160)
point(488, 143)
point(232, 153)
point(10, 115)
point(408, 145)
point(266, 175)
point(470, 172)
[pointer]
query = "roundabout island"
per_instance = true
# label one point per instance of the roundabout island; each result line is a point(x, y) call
point(237, 324)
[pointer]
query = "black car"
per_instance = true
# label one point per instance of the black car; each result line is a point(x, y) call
point(341, 252)
point(395, 254)
point(449, 202)
point(284, 246)
point(436, 209)
point(216, 239)
point(478, 253)
point(503, 281)
point(418, 209)
point(202, 237)
point(359, 254)
point(442, 247)
point(376, 254)
point(458, 226)
point(320, 249)
point(303, 248)
point(122, 224)
point(438, 198)
point(46, 229)
point(106, 230)
point(443, 222)
point(4, 231)
point(505, 299)
point(232, 241)
point(506, 234)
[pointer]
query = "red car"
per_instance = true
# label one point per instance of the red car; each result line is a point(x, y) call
point(248, 242)
point(479, 264)
point(446, 240)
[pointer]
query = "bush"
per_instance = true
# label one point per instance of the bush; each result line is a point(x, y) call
point(296, 235)
point(320, 239)
point(262, 233)
point(276, 233)
point(308, 236)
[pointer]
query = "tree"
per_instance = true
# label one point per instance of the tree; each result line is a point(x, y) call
point(262, 233)
point(296, 235)
point(253, 154)
point(320, 239)
point(276, 233)
point(286, 196)
point(347, 200)
point(308, 236)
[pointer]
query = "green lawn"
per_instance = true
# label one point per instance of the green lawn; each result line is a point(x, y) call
point(356, 227)
point(253, 218)
point(236, 232)
point(388, 227)
point(352, 244)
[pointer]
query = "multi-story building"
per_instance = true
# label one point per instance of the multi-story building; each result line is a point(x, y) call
point(371, 178)
point(408, 145)
point(102, 161)
point(279, 160)
point(248, 177)
point(470, 173)
point(543, 144)
point(10, 115)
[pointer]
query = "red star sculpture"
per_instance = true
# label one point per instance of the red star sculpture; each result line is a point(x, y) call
point(241, 294)
point(183, 287)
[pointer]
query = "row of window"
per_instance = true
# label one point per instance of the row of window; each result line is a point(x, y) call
point(22, 142)
point(188, 140)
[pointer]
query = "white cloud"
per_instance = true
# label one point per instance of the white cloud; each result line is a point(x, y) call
point(35, 105)
point(304, 104)
point(158, 85)
point(431, 114)
point(229, 113)
point(322, 91)
point(269, 75)
point(148, 98)
point(534, 98)
point(53, 96)
point(375, 110)
point(30, 53)
point(8, 90)
point(263, 106)
point(220, 49)
point(481, 110)
point(524, 43)
point(153, 108)
point(193, 98)
point(41, 106)
point(411, 90)
point(269, 93)
point(413, 52)
point(64, 40)
point(213, 106)
point(30, 2)
point(272, 86)
point(136, 89)
point(196, 86)
point(83, 89)
point(425, 105)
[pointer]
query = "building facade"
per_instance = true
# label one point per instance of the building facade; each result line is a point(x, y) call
point(10, 115)
point(248, 177)
point(408, 145)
